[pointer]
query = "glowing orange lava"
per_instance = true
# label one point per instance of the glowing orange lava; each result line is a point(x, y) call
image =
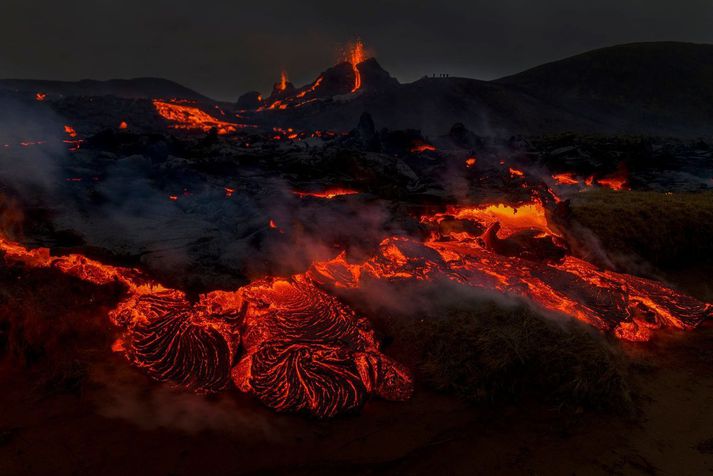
point(310, 89)
point(613, 183)
point(470, 161)
point(296, 347)
point(282, 85)
point(192, 118)
point(567, 178)
point(286, 341)
point(123, 125)
point(70, 131)
point(422, 147)
point(515, 172)
point(40, 96)
point(330, 193)
point(356, 55)
point(511, 218)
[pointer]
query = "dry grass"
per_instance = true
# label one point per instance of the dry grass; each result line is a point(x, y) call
point(485, 351)
point(670, 234)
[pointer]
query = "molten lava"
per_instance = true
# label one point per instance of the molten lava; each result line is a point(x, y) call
point(72, 141)
point(282, 85)
point(421, 146)
point(296, 347)
point(613, 182)
point(192, 118)
point(567, 178)
point(70, 131)
point(329, 193)
point(40, 96)
point(355, 56)
point(286, 341)
point(515, 172)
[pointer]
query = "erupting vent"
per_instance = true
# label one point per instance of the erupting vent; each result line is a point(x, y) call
point(356, 56)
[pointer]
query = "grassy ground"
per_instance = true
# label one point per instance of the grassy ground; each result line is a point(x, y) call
point(489, 352)
point(670, 235)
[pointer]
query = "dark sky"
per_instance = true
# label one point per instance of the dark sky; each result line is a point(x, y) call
point(223, 48)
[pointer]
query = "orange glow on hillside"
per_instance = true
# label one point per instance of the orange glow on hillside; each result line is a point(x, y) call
point(40, 96)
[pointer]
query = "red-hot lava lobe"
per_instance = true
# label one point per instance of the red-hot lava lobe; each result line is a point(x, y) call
point(297, 347)
point(191, 118)
point(296, 332)
point(39, 96)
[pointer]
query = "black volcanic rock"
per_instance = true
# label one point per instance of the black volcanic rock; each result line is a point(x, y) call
point(366, 133)
point(336, 81)
point(249, 101)
point(374, 77)
point(460, 136)
point(279, 93)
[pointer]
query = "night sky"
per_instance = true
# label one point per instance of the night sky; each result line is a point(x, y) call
point(224, 48)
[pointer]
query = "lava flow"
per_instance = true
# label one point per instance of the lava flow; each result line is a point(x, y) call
point(192, 118)
point(297, 347)
point(329, 193)
point(356, 56)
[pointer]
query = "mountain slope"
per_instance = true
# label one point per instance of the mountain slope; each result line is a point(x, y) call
point(136, 88)
point(664, 87)
point(646, 88)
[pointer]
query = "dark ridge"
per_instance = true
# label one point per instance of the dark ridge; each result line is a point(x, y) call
point(137, 88)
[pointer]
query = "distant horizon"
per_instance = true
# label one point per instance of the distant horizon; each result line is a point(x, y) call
point(224, 49)
point(299, 84)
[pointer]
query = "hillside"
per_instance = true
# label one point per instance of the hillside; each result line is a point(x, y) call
point(137, 88)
